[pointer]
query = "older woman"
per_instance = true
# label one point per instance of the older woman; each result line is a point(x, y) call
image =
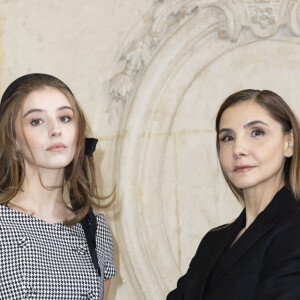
point(258, 255)
point(52, 246)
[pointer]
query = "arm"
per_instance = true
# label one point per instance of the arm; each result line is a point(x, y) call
point(178, 293)
point(106, 289)
point(189, 285)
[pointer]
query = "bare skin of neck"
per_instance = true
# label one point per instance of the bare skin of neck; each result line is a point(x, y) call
point(258, 198)
point(43, 202)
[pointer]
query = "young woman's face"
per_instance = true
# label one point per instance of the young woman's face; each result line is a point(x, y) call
point(253, 146)
point(46, 123)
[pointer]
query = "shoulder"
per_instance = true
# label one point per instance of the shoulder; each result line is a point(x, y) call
point(101, 222)
point(104, 248)
point(284, 239)
point(220, 228)
point(289, 225)
point(216, 232)
point(11, 225)
point(209, 243)
point(281, 255)
point(291, 220)
point(103, 235)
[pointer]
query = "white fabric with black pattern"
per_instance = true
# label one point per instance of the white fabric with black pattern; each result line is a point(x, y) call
point(51, 261)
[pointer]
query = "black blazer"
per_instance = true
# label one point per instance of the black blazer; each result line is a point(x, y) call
point(263, 264)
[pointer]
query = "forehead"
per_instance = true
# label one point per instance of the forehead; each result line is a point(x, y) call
point(47, 98)
point(243, 113)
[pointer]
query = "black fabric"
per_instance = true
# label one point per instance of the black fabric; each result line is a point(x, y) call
point(264, 263)
point(89, 222)
point(90, 146)
point(89, 225)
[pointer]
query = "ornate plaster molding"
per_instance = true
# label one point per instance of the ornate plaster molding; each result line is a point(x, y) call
point(263, 17)
point(183, 39)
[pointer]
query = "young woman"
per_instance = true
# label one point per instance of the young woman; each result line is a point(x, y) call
point(52, 246)
point(258, 255)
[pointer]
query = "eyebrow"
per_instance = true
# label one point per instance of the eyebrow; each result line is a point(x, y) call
point(255, 122)
point(41, 110)
point(245, 126)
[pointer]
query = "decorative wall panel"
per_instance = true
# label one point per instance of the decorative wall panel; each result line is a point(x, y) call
point(170, 188)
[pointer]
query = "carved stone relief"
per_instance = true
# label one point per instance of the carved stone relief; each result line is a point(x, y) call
point(170, 189)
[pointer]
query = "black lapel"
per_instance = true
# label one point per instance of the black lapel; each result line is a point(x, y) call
point(226, 235)
point(264, 222)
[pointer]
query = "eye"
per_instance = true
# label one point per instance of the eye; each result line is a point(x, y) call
point(257, 132)
point(65, 119)
point(36, 122)
point(226, 138)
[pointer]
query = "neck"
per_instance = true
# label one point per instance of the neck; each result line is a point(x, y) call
point(257, 199)
point(42, 195)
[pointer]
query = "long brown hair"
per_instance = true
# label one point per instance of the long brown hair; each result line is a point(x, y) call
point(279, 111)
point(81, 186)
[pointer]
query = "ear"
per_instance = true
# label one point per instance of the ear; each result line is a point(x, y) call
point(289, 149)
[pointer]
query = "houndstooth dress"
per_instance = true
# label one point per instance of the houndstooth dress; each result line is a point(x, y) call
point(39, 260)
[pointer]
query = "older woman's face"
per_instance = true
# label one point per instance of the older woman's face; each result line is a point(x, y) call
point(46, 121)
point(253, 146)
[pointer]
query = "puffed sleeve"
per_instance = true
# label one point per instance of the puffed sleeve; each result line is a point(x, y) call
point(105, 247)
point(280, 274)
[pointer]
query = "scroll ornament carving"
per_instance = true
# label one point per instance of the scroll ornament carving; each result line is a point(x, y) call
point(292, 18)
point(264, 17)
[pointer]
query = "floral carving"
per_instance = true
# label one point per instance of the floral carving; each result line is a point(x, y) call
point(139, 53)
point(121, 85)
point(136, 56)
point(264, 17)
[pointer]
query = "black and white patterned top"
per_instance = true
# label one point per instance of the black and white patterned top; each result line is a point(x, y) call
point(39, 260)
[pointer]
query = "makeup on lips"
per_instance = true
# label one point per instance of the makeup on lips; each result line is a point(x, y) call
point(244, 168)
point(57, 147)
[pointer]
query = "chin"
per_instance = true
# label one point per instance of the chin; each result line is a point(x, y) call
point(243, 185)
point(55, 165)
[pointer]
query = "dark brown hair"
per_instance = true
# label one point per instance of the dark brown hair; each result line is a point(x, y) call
point(279, 111)
point(81, 186)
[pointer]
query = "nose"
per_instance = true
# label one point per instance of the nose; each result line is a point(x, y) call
point(54, 130)
point(240, 148)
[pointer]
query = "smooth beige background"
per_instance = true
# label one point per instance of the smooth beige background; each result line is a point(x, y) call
point(150, 76)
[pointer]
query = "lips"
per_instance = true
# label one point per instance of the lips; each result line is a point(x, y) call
point(245, 168)
point(57, 147)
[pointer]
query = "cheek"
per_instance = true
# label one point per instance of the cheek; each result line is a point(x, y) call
point(224, 157)
point(269, 152)
point(33, 140)
point(73, 134)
